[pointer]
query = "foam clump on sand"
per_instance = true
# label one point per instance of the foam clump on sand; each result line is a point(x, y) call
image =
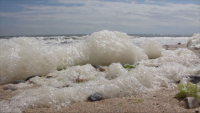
point(152, 48)
point(194, 41)
point(23, 57)
point(106, 47)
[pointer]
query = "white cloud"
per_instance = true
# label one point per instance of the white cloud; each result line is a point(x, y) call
point(98, 15)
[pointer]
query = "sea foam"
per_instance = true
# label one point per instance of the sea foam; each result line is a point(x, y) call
point(78, 79)
point(194, 41)
point(23, 57)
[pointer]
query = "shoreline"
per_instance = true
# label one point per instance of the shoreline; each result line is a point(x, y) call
point(157, 101)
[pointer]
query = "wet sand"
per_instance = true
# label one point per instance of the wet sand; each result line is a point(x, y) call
point(158, 101)
point(174, 47)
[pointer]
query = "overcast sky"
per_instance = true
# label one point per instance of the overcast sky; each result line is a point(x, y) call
point(51, 17)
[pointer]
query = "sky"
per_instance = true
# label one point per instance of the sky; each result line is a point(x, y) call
point(54, 17)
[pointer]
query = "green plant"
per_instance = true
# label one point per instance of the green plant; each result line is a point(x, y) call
point(60, 69)
point(136, 100)
point(187, 90)
point(198, 72)
point(130, 66)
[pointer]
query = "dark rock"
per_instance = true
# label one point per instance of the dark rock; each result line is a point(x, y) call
point(10, 87)
point(18, 81)
point(95, 66)
point(48, 76)
point(31, 77)
point(194, 79)
point(167, 47)
point(95, 97)
point(178, 81)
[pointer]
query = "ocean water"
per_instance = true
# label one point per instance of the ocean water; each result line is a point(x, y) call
point(68, 66)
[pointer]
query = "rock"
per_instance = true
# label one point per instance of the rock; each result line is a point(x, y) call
point(95, 66)
point(78, 80)
point(189, 103)
point(192, 102)
point(167, 47)
point(95, 97)
point(10, 87)
point(31, 77)
point(101, 69)
point(18, 81)
point(49, 76)
point(194, 79)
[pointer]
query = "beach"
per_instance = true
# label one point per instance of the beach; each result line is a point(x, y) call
point(161, 100)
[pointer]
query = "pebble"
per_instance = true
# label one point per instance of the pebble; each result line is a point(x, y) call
point(31, 77)
point(189, 103)
point(95, 97)
point(18, 81)
point(101, 69)
point(194, 79)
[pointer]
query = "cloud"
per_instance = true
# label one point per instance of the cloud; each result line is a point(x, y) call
point(98, 15)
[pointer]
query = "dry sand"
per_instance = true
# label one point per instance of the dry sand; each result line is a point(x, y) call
point(158, 101)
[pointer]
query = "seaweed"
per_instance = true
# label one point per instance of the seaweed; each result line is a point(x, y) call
point(187, 90)
point(128, 66)
point(136, 100)
point(60, 69)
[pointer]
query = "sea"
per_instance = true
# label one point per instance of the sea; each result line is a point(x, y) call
point(70, 68)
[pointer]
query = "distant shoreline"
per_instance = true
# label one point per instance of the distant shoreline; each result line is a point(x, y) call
point(139, 35)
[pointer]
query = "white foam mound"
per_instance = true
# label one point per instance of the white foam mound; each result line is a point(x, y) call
point(24, 57)
point(106, 47)
point(194, 41)
point(152, 48)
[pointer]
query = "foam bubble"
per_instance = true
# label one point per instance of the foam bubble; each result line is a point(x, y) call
point(152, 48)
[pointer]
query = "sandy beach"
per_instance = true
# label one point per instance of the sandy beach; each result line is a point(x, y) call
point(158, 101)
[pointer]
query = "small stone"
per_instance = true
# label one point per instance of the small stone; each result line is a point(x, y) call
point(194, 79)
point(10, 87)
point(95, 66)
point(101, 69)
point(95, 97)
point(192, 102)
point(31, 77)
point(18, 81)
point(48, 76)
